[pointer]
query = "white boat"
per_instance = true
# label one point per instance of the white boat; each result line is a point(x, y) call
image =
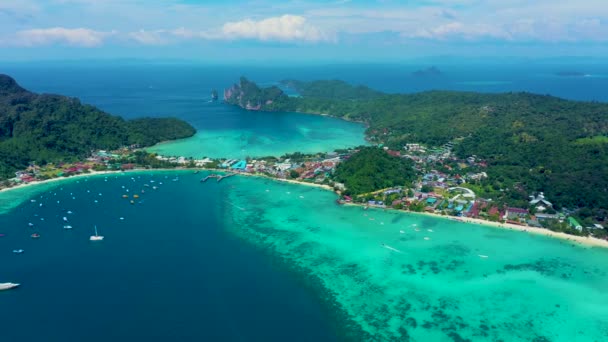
point(65, 219)
point(96, 237)
point(18, 251)
point(8, 286)
point(67, 227)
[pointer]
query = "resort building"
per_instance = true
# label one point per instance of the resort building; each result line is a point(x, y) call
point(540, 203)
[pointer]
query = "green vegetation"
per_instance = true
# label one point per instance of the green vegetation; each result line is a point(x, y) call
point(373, 169)
point(53, 128)
point(248, 95)
point(530, 142)
point(332, 89)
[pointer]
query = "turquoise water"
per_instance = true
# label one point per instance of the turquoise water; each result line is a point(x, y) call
point(236, 133)
point(254, 259)
point(400, 276)
point(184, 92)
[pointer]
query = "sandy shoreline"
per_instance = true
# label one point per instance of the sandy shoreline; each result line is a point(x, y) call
point(583, 240)
point(587, 241)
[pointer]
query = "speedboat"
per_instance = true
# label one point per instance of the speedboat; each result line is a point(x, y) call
point(67, 227)
point(35, 236)
point(8, 286)
point(18, 251)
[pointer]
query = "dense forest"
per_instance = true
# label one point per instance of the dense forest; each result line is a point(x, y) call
point(371, 169)
point(49, 128)
point(530, 142)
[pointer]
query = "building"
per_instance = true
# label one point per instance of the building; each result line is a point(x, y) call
point(540, 203)
point(515, 213)
point(574, 223)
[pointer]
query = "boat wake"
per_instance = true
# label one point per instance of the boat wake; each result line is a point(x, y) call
point(391, 248)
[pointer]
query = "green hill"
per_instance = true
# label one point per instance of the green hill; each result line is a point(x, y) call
point(530, 142)
point(47, 128)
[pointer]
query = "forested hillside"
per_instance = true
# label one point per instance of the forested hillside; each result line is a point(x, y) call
point(532, 142)
point(48, 128)
point(371, 169)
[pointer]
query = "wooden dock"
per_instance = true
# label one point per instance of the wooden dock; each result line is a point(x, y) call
point(217, 176)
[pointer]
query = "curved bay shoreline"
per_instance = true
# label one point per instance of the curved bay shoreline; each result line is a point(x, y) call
point(580, 240)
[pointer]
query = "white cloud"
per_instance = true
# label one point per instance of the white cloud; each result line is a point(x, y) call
point(460, 30)
point(157, 37)
point(283, 28)
point(59, 35)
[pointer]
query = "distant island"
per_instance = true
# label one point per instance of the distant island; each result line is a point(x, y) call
point(432, 71)
point(44, 128)
point(523, 143)
point(570, 74)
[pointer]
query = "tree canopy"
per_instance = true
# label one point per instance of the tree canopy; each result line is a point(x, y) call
point(372, 169)
point(49, 128)
point(534, 142)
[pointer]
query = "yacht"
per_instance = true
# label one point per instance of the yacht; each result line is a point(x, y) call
point(8, 286)
point(96, 237)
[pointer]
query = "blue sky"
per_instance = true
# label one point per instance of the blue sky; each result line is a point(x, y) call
point(262, 30)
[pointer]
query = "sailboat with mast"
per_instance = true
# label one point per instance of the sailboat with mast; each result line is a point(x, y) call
point(96, 237)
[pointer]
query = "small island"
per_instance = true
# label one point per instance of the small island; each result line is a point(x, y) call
point(429, 72)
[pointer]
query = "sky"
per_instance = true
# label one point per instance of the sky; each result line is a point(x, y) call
point(265, 30)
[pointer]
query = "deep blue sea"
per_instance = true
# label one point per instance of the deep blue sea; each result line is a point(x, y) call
point(169, 271)
point(166, 271)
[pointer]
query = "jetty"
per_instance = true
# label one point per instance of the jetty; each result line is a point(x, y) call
point(217, 176)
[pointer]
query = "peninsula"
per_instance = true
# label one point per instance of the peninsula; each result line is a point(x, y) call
point(507, 149)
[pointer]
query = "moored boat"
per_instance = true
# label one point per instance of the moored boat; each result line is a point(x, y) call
point(96, 237)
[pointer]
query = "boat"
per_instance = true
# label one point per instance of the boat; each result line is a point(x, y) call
point(18, 251)
point(125, 196)
point(8, 286)
point(482, 256)
point(132, 202)
point(30, 224)
point(35, 236)
point(67, 227)
point(65, 218)
point(96, 237)
point(135, 196)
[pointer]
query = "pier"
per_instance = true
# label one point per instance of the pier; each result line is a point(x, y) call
point(217, 176)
